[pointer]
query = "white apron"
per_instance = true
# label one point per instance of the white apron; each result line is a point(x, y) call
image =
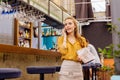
point(71, 70)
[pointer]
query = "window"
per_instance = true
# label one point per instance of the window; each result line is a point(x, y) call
point(98, 5)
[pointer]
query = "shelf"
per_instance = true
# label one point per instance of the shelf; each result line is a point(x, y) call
point(24, 38)
point(50, 31)
point(50, 35)
point(22, 33)
point(25, 27)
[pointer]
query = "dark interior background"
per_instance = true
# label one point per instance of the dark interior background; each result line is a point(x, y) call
point(97, 33)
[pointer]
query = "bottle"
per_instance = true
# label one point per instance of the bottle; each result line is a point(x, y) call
point(47, 33)
point(26, 34)
point(44, 47)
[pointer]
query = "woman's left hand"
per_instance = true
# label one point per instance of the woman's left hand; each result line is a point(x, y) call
point(79, 59)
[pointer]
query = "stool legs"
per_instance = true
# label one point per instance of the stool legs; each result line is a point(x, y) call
point(94, 73)
point(42, 76)
point(86, 73)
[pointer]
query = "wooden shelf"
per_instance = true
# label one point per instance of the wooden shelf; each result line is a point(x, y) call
point(22, 33)
point(24, 38)
point(49, 35)
point(25, 27)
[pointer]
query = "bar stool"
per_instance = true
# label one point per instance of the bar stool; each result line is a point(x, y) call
point(94, 70)
point(41, 70)
point(86, 71)
point(8, 73)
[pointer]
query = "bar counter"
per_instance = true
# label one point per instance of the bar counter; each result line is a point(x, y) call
point(23, 50)
point(12, 56)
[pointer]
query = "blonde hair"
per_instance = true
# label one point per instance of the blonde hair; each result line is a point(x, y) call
point(76, 32)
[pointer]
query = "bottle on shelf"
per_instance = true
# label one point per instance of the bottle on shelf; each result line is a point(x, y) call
point(26, 43)
point(44, 47)
point(26, 34)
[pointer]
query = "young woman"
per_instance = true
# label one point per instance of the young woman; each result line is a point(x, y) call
point(68, 44)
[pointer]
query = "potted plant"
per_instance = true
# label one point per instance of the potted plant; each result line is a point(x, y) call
point(107, 53)
point(105, 72)
point(111, 54)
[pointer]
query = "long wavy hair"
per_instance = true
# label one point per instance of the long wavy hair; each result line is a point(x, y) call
point(76, 31)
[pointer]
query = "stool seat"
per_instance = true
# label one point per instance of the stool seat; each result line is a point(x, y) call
point(41, 70)
point(86, 66)
point(6, 73)
point(91, 65)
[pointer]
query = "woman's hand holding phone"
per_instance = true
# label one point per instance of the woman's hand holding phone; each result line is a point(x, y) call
point(64, 34)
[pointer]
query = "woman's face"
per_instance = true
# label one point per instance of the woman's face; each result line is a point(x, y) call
point(69, 26)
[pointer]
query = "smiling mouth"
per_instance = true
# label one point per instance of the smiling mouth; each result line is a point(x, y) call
point(69, 29)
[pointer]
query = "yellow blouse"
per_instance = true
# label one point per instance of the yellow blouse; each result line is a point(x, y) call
point(70, 51)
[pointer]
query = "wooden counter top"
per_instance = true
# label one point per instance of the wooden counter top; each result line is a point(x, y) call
point(22, 50)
